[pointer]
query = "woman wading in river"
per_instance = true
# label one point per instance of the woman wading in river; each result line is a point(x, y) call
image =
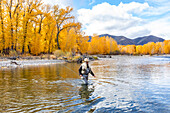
point(84, 70)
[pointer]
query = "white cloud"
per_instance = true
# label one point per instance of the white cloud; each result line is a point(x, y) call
point(61, 3)
point(160, 7)
point(160, 27)
point(106, 18)
point(134, 7)
point(123, 19)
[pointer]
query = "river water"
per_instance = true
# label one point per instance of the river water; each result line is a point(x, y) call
point(123, 84)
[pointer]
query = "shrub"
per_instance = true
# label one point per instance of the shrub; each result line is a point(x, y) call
point(68, 54)
point(117, 52)
point(75, 58)
point(95, 57)
point(1, 54)
point(58, 53)
point(13, 53)
point(45, 56)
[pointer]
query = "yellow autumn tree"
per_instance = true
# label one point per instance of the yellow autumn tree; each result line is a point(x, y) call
point(68, 40)
point(139, 49)
point(94, 45)
point(82, 44)
point(102, 45)
point(159, 48)
point(29, 26)
point(2, 27)
point(128, 49)
point(113, 46)
point(166, 46)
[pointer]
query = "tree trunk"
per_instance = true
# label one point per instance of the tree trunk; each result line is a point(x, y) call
point(2, 27)
point(39, 31)
point(57, 39)
point(25, 33)
point(49, 48)
point(10, 15)
point(16, 30)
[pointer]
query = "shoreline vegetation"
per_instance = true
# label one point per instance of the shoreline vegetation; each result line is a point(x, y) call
point(32, 30)
point(48, 59)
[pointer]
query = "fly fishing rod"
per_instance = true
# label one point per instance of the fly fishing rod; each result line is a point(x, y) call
point(69, 69)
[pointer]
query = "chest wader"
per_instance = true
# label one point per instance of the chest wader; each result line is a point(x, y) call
point(85, 72)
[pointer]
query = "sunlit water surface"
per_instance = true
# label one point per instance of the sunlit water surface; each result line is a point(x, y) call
point(123, 84)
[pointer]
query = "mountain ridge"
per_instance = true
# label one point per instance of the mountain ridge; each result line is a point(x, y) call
point(122, 40)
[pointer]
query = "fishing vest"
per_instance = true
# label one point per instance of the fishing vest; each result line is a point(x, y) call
point(85, 70)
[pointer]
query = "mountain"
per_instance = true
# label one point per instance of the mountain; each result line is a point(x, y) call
point(137, 41)
point(146, 39)
point(120, 39)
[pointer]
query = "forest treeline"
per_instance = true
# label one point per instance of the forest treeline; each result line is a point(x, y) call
point(107, 45)
point(32, 27)
point(150, 48)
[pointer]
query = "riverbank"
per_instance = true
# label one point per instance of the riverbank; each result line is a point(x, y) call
point(10, 62)
point(22, 63)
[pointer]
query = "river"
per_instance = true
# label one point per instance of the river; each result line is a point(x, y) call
point(139, 84)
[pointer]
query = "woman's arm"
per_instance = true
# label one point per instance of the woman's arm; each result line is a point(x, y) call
point(80, 69)
point(91, 72)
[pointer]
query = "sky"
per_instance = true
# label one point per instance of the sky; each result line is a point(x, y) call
point(130, 18)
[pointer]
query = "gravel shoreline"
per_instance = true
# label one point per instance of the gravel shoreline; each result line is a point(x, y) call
point(21, 63)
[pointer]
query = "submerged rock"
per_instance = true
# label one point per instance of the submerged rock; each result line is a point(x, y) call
point(80, 60)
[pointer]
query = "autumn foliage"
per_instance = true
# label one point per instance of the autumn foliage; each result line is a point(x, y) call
point(29, 26)
point(150, 48)
point(102, 45)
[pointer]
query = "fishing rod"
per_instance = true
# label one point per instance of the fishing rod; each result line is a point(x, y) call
point(69, 68)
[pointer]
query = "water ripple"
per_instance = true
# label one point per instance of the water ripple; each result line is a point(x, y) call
point(123, 84)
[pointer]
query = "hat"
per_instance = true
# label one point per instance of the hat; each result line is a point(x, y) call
point(86, 60)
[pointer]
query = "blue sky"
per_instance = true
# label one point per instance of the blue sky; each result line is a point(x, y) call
point(78, 4)
point(130, 18)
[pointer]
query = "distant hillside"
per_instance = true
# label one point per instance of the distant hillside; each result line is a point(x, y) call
point(146, 39)
point(120, 39)
point(137, 41)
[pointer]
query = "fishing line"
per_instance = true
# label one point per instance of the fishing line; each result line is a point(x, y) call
point(69, 69)
point(72, 71)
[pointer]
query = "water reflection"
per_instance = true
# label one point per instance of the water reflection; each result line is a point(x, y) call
point(123, 84)
point(85, 92)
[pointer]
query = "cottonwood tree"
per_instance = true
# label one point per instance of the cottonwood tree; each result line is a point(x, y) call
point(63, 20)
point(31, 9)
point(2, 30)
